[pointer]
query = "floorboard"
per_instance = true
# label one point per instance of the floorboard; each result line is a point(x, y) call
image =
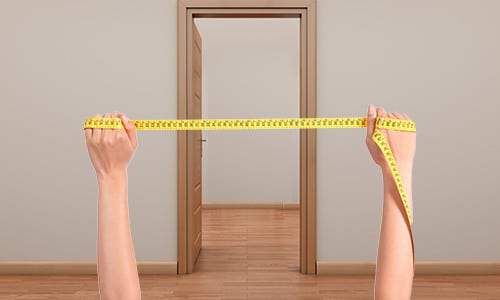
point(250, 254)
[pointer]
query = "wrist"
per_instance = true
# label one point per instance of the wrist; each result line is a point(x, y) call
point(405, 172)
point(404, 169)
point(112, 177)
point(112, 187)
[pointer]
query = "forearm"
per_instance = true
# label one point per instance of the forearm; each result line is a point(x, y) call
point(117, 269)
point(394, 274)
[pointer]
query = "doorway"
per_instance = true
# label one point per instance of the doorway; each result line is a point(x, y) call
point(250, 70)
point(188, 185)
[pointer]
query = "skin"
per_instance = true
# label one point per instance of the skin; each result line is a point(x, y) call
point(111, 151)
point(394, 273)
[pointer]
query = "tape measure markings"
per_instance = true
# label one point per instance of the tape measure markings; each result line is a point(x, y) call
point(287, 123)
point(251, 124)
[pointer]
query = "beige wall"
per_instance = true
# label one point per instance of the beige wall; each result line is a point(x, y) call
point(439, 61)
point(250, 70)
point(62, 61)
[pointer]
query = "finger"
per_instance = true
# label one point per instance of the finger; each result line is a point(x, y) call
point(381, 113)
point(391, 116)
point(88, 134)
point(406, 117)
point(96, 132)
point(370, 124)
point(130, 129)
point(398, 116)
point(116, 115)
point(120, 133)
point(107, 133)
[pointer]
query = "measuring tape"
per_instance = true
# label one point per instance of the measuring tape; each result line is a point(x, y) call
point(290, 123)
point(240, 124)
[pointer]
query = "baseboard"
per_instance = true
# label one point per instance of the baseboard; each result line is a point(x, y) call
point(421, 268)
point(79, 267)
point(157, 267)
point(344, 268)
point(458, 268)
point(274, 205)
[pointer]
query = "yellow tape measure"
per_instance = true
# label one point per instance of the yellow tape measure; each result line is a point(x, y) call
point(240, 124)
point(290, 123)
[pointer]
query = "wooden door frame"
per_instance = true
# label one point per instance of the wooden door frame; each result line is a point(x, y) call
point(187, 10)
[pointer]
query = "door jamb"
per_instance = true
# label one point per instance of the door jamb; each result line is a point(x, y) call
point(306, 10)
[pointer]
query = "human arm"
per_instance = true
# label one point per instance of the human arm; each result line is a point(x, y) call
point(394, 272)
point(110, 151)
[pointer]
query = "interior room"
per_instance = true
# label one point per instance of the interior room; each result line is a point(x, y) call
point(250, 178)
point(249, 214)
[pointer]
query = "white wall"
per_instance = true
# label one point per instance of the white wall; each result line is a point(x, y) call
point(439, 61)
point(63, 61)
point(250, 70)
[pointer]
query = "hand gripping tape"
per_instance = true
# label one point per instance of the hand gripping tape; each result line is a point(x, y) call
point(289, 123)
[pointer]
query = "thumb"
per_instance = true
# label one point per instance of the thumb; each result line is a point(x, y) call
point(130, 129)
point(370, 124)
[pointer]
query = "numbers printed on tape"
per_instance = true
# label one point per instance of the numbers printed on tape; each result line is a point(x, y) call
point(291, 123)
point(242, 124)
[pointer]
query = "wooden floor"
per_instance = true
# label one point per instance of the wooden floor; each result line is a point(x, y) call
point(249, 254)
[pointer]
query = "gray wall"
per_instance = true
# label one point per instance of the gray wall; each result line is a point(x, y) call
point(439, 61)
point(250, 70)
point(60, 62)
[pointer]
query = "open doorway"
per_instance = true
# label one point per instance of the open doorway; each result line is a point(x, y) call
point(189, 144)
point(251, 69)
point(250, 179)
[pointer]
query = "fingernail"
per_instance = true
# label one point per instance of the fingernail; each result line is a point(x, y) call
point(371, 110)
point(125, 120)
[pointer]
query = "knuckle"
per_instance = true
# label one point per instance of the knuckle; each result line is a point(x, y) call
point(97, 142)
point(108, 141)
point(121, 138)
